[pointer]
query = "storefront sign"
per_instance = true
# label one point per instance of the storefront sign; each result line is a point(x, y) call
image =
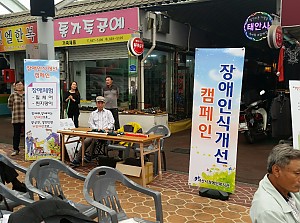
point(256, 26)
point(42, 113)
point(135, 46)
point(16, 37)
point(275, 36)
point(100, 28)
point(290, 15)
point(217, 93)
point(295, 108)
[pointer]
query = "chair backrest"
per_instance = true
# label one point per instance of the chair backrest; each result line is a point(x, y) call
point(101, 181)
point(6, 160)
point(100, 190)
point(160, 130)
point(18, 197)
point(43, 176)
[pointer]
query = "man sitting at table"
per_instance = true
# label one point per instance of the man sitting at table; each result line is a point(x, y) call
point(100, 119)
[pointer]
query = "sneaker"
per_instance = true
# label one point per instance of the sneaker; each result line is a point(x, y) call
point(87, 159)
point(15, 152)
point(75, 163)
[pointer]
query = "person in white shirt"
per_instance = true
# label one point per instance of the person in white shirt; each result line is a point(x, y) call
point(277, 199)
point(100, 119)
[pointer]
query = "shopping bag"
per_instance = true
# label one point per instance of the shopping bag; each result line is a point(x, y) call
point(72, 146)
point(67, 109)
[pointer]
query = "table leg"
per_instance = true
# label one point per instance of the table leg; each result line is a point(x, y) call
point(143, 164)
point(62, 149)
point(82, 151)
point(159, 159)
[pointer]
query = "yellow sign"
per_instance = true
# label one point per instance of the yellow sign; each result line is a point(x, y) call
point(94, 40)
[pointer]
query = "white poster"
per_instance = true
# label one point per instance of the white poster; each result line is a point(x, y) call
point(42, 109)
point(295, 108)
point(216, 106)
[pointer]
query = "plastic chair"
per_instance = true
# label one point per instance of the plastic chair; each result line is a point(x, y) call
point(12, 198)
point(101, 182)
point(45, 173)
point(159, 130)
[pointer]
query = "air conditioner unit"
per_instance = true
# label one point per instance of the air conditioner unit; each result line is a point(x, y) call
point(163, 23)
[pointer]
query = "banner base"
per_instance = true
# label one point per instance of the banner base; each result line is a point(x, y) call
point(215, 194)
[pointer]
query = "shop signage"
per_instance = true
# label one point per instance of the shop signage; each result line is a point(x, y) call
point(217, 93)
point(256, 26)
point(290, 15)
point(136, 46)
point(275, 36)
point(42, 113)
point(16, 37)
point(99, 28)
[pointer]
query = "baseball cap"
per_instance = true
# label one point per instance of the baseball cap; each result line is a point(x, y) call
point(100, 98)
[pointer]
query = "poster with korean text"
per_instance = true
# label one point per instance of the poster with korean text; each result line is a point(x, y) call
point(295, 109)
point(216, 106)
point(42, 109)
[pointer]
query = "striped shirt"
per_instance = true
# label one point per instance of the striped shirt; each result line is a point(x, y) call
point(101, 119)
point(16, 103)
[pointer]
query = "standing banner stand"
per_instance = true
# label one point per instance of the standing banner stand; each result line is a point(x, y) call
point(216, 107)
point(42, 113)
point(295, 109)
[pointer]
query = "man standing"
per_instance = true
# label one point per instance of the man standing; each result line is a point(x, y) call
point(111, 95)
point(277, 199)
point(100, 119)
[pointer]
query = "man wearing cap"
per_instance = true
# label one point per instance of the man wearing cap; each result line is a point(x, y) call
point(100, 119)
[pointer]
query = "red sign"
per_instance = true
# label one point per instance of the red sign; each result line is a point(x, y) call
point(8, 75)
point(275, 36)
point(136, 46)
point(290, 15)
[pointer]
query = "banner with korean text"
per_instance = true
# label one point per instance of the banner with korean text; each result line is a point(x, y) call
point(295, 109)
point(16, 37)
point(99, 28)
point(42, 109)
point(216, 106)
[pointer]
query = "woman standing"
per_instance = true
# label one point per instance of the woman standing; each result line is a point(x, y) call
point(16, 103)
point(73, 100)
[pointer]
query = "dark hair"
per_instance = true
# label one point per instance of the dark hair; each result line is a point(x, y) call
point(18, 81)
point(76, 90)
point(109, 77)
point(281, 155)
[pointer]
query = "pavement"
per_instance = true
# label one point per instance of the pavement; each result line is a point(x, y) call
point(181, 202)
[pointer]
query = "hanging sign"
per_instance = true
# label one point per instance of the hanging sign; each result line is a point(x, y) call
point(256, 26)
point(275, 36)
point(216, 106)
point(136, 46)
point(42, 113)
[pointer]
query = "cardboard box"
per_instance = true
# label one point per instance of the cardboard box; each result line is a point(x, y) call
point(135, 172)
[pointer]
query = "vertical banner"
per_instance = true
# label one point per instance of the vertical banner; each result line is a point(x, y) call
point(216, 106)
point(42, 109)
point(295, 108)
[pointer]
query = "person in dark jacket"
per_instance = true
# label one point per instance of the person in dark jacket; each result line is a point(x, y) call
point(9, 175)
point(72, 99)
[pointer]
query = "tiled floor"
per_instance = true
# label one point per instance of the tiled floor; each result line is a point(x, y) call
point(181, 203)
